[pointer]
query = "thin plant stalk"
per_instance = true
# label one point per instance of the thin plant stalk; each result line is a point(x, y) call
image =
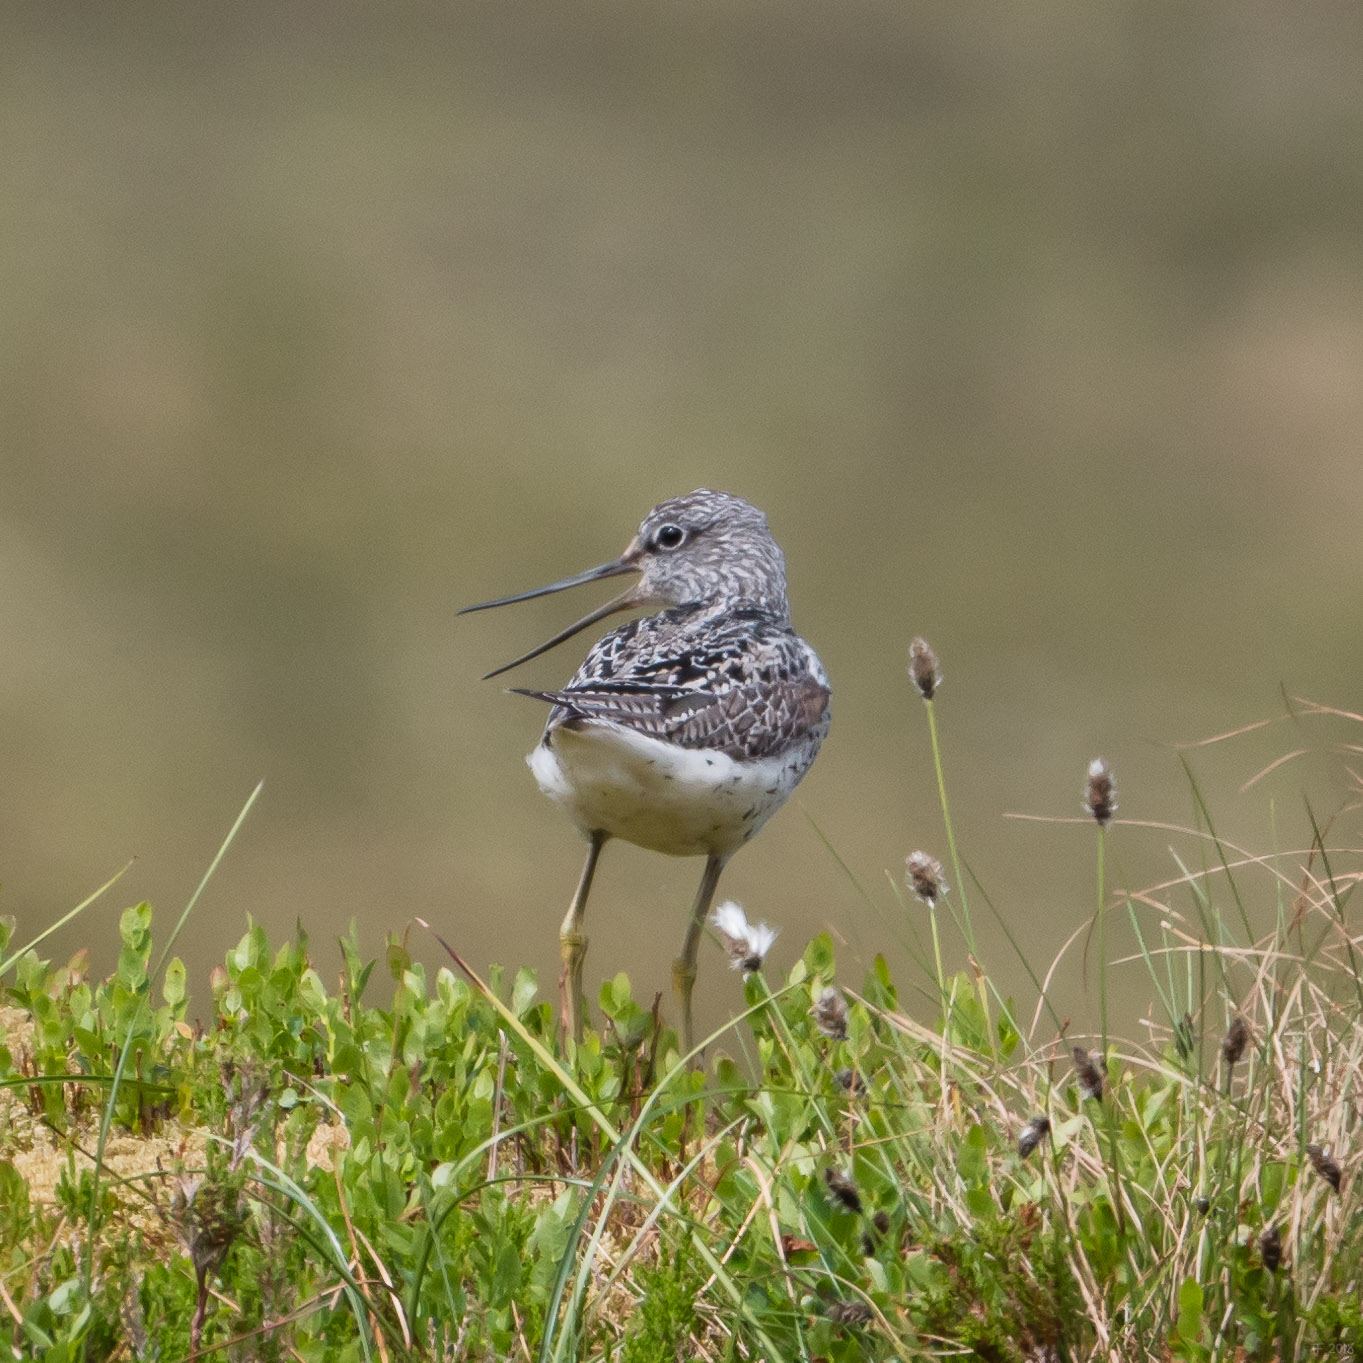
point(1110, 1114)
point(60, 923)
point(941, 974)
point(1102, 942)
point(966, 926)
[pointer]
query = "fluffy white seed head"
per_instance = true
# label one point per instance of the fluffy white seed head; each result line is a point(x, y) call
point(923, 876)
point(746, 943)
point(830, 1014)
point(1100, 798)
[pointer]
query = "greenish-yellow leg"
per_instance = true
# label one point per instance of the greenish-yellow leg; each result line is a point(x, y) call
point(572, 944)
point(684, 967)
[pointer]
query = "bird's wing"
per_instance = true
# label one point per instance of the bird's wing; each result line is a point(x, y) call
point(745, 691)
point(750, 721)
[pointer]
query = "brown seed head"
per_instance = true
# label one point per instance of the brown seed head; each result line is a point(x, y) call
point(843, 1189)
point(1088, 1073)
point(1234, 1042)
point(1324, 1165)
point(830, 1014)
point(1030, 1135)
point(1101, 797)
point(1271, 1248)
point(849, 1313)
point(924, 671)
point(923, 875)
point(849, 1081)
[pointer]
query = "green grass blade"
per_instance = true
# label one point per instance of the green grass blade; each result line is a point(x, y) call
point(61, 922)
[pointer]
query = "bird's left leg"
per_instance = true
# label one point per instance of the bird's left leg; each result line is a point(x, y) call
point(684, 967)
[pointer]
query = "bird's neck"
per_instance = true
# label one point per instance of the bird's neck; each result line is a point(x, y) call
point(774, 610)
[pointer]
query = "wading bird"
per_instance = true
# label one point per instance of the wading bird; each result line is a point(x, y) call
point(683, 731)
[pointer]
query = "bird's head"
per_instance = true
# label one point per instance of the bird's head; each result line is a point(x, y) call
point(703, 548)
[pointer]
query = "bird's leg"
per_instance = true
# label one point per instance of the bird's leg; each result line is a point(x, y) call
point(572, 944)
point(684, 967)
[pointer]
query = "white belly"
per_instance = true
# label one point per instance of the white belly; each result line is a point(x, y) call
point(682, 801)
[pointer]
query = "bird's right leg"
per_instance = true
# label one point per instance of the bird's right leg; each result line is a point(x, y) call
point(572, 944)
point(684, 967)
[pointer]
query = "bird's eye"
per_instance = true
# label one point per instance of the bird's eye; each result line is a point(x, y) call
point(669, 537)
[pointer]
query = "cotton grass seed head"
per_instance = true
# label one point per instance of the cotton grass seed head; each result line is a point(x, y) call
point(923, 875)
point(1324, 1166)
point(746, 943)
point(1088, 1073)
point(924, 671)
point(1100, 799)
point(843, 1189)
point(1030, 1135)
point(1271, 1248)
point(1234, 1042)
point(849, 1313)
point(849, 1081)
point(830, 1014)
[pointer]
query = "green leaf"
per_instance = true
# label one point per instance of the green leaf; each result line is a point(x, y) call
point(173, 984)
point(1185, 1337)
point(819, 957)
point(980, 1201)
point(355, 1104)
point(1189, 1302)
point(134, 925)
point(399, 958)
point(506, 1274)
point(523, 991)
point(971, 1158)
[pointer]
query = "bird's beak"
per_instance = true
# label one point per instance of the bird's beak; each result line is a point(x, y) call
point(628, 562)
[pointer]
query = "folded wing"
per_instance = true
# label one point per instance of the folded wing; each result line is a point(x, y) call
point(744, 721)
point(737, 682)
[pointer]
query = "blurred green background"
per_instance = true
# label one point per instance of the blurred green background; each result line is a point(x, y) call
point(1035, 329)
